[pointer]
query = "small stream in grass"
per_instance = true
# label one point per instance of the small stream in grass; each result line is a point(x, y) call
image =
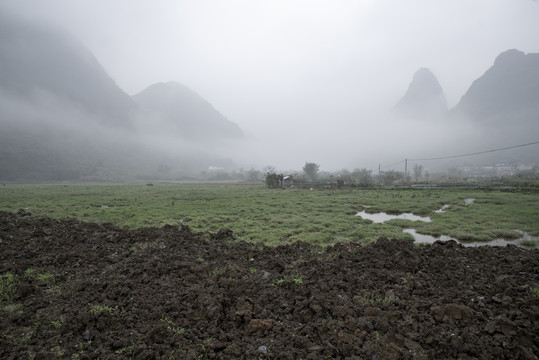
point(428, 239)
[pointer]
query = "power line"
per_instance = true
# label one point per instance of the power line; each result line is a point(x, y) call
point(476, 153)
point(390, 166)
point(462, 155)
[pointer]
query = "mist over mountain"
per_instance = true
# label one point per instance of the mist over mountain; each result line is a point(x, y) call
point(64, 118)
point(43, 64)
point(174, 107)
point(503, 105)
point(507, 93)
point(500, 109)
point(424, 99)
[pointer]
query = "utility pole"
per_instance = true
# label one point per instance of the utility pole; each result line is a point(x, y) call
point(405, 171)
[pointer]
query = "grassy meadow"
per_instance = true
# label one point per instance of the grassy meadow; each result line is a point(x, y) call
point(273, 216)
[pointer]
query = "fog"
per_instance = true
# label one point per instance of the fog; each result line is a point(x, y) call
point(305, 80)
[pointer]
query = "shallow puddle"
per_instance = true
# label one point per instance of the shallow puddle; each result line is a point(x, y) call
point(428, 239)
point(382, 217)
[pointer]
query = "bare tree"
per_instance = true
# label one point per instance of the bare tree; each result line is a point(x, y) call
point(269, 169)
point(363, 177)
point(389, 177)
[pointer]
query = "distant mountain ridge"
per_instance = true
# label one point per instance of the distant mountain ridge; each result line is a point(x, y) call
point(500, 108)
point(424, 98)
point(507, 92)
point(184, 111)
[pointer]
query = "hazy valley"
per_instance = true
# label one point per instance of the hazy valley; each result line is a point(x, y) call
point(64, 118)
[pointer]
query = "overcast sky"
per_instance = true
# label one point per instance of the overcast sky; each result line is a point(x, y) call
point(325, 66)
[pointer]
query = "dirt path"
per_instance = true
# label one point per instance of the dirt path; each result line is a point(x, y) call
point(78, 290)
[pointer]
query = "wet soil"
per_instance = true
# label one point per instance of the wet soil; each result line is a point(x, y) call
point(87, 291)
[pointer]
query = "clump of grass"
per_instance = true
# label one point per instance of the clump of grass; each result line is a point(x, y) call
point(58, 323)
point(219, 271)
point(529, 242)
point(8, 284)
point(298, 279)
point(172, 326)
point(98, 309)
point(29, 273)
point(505, 234)
point(13, 308)
point(45, 277)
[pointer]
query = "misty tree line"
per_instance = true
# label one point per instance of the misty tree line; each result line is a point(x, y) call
point(309, 173)
point(165, 170)
point(312, 175)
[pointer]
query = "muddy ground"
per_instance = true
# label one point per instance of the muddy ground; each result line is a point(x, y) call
point(77, 290)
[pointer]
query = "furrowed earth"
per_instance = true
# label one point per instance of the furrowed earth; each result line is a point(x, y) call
point(77, 290)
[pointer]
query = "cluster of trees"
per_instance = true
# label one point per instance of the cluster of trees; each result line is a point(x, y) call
point(356, 177)
point(311, 174)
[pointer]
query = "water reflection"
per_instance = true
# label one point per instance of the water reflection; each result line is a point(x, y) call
point(428, 239)
point(531, 241)
point(382, 217)
point(439, 211)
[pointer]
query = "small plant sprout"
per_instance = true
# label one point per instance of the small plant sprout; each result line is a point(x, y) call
point(98, 309)
point(58, 323)
point(172, 326)
point(45, 277)
point(29, 273)
point(219, 270)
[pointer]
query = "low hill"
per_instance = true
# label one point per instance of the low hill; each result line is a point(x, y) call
point(177, 108)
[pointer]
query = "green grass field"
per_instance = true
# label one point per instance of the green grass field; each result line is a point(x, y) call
point(258, 214)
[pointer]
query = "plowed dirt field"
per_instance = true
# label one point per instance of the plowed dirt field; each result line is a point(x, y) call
point(79, 290)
